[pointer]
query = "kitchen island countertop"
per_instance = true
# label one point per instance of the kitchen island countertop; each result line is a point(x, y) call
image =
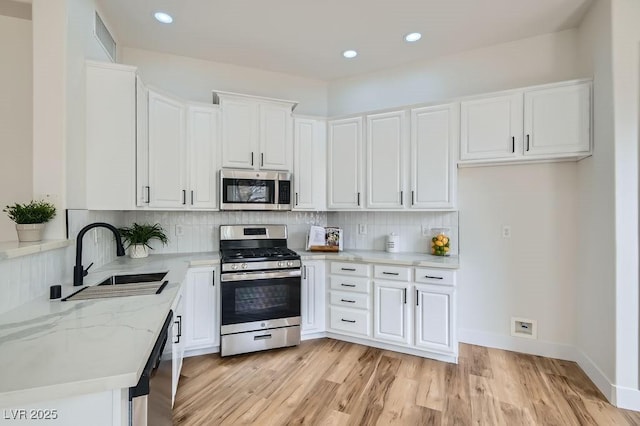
point(51, 349)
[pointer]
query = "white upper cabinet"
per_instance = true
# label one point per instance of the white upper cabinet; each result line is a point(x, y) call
point(203, 137)
point(167, 152)
point(109, 165)
point(309, 164)
point(345, 164)
point(142, 144)
point(257, 133)
point(386, 146)
point(558, 120)
point(491, 127)
point(276, 138)
point(239, 134)
point(540, 123)
point(434, 138)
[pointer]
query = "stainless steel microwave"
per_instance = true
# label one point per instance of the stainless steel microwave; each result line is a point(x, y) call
point(254, 190)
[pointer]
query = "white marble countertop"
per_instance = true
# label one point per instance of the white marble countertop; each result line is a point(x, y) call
point(54, 349)
point(405, 259)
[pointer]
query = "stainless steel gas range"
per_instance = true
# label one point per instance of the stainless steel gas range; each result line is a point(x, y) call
point(260, 282)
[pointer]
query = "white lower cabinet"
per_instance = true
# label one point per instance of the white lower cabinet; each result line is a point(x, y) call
point(177, 348)
point(391, 311)
point(312, 297)
point(434, 318)
point(406, 309)
point(202, 315)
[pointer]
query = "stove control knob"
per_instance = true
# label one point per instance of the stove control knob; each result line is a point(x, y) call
point(280, 264)
point(244, 266)
point(234, 266)
point(290, 263)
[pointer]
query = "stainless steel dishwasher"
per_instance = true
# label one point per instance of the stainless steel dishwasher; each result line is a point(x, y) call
point(150, 399)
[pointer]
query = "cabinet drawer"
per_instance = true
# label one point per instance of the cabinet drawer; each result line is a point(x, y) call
point(351, 300)
point(396, 273)
point(350, 320)
point(353, 269)
point(435, 276)
point(361, 285)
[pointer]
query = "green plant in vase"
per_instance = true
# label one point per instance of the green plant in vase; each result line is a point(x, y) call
point(30, 218)
point(138, 236)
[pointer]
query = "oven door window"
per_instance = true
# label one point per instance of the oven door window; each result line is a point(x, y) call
point(248, 191)
point(259, 300)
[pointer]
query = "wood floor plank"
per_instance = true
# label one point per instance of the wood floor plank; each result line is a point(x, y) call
point(330, 382)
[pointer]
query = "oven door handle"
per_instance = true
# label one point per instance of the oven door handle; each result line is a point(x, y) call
point(250, 276)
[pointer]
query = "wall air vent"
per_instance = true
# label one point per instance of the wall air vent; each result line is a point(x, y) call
point(104, 37)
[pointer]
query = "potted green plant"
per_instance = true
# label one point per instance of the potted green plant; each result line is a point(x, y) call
point(138, 236)
point(30, 218)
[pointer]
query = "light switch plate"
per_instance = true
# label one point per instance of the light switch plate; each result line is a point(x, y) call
point(179, 231)
point(362, 229)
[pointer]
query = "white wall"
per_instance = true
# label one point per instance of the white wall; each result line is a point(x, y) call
point(16, 116)
point(194, 79)
point(626, 91)
point(530, 275)
point(535, 60)
point(595, 295)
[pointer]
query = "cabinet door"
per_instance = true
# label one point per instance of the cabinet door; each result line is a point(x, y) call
point(313, 297)
point(167, 152)
point(239, 134)
point(177, 346)
point(434, 137)
point(557, 120)
point(434, 318)
point(276, 137)
point(202, 327)
point(109, 165)
point(491, 127)
point(309, 164)
point(142, 144)
point(203, 149)
point(385, 158)
point(391, 312)
point(344, 168)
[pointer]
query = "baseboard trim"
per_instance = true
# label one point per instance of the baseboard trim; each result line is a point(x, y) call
point(596, 375)
point(517, 344)
point(626, 398)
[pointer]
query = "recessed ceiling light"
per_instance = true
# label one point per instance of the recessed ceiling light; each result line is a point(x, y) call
point(165, 18)
point(349, 54)
point(411, 37)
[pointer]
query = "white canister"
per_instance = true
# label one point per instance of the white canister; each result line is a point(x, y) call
point(393, 243)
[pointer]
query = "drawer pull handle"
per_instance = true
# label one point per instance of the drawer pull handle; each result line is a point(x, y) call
point(433, 277)
point(348, 301)
point(347, 285)
point(262, 337)
point(348, 269)
point(349, 321)
point(391, 273)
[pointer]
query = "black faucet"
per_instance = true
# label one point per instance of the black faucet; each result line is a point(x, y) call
point(78, 271)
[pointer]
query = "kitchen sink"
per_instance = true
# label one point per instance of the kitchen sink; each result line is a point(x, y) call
point(133, 278)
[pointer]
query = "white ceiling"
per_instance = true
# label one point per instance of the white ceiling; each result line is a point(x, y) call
point(307, 37)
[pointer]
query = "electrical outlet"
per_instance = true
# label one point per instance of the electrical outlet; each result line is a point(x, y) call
point(523, 327)
point(362, 229)
point(426, 231)
point(506, 231)
point(179, 231)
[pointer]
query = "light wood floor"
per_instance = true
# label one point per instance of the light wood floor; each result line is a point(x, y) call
point(331, 382)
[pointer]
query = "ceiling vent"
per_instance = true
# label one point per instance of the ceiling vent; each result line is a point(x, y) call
point(104, 37)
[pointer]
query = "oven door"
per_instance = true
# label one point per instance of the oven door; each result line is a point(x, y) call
point(260, 300)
